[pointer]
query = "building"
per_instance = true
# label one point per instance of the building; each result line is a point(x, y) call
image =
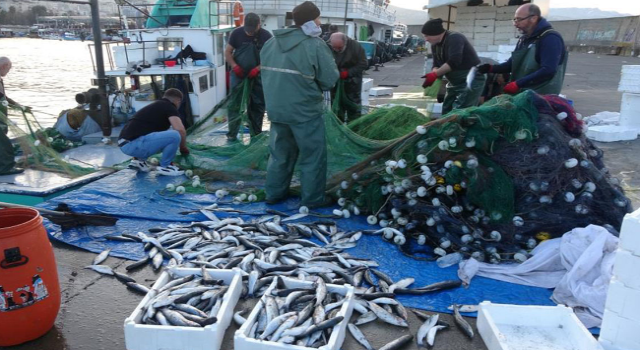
point(360, 19)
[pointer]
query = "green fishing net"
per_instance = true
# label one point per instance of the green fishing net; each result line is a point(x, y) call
point(39, 148)
point(388, 123)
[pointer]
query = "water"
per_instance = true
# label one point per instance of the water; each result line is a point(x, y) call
point(46, 74)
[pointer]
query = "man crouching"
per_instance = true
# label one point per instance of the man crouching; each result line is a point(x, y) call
point(148, 132)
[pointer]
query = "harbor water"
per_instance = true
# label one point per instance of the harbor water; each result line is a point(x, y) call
point(46, 74)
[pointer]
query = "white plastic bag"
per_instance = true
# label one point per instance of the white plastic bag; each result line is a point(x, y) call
point(579, 266)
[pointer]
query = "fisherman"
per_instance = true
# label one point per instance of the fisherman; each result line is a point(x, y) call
point(297, 67)
point(352, 62)
point(453, 58)
point(147, 133)
point(243, 54)
point(7, 155)
point(332, 29)
point(540, 59)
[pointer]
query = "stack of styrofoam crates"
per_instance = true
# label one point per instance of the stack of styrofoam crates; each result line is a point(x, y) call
point(367, 84)
point(621, 322)
point(505, 30)
point(630, 88)
point(465, 20)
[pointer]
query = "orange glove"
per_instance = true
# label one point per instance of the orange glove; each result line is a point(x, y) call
point(238, 70)
point(511, 88)
point(344, 74)
point(254, 72)
point(429, 79)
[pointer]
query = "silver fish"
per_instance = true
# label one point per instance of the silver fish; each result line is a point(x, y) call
point(101, 257)
point(358, 336)
point(471, 76)
point(464, 326)
point(103, 269)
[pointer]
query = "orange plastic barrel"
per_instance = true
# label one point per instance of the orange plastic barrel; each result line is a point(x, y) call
point(29, 288)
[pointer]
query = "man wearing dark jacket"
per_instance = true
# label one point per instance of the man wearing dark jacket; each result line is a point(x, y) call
point(540, 59)
point(243, 54)
point(352, 62)
point(453, 58)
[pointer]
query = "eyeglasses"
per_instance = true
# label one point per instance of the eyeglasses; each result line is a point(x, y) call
point(517, 20)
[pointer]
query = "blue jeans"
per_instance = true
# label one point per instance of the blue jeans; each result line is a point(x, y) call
point(144, 146)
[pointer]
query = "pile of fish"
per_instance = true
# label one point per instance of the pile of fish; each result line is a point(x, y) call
point(187, 301)
point(302, 315)
point(267, 249)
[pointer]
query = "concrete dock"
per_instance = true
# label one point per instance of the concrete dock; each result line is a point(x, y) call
point(94, 307)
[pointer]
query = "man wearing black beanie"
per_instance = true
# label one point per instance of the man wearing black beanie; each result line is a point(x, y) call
point(297, 66)
point(453, 58)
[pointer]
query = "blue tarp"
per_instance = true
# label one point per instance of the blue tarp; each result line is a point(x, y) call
point(139, 200)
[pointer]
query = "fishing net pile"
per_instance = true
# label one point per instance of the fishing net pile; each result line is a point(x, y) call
point(487, 182)
point(39, 148)
point(216, 160)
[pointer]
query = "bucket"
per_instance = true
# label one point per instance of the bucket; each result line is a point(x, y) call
point(29, 289)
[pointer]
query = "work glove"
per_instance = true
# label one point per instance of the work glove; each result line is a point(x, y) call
point(429, 79)
point(511, 88)
point(254, 72)
point(485, 68)
point(238, 71)
point(184, 151)
point(344, 74)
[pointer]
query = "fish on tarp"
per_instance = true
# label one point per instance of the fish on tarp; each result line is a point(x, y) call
point(471, 76)
point(101, 257)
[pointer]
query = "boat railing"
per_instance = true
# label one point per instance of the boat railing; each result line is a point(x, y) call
point(355, 8)
point(163, 46)
point(221, 14)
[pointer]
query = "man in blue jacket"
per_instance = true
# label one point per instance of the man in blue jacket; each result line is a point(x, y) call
point(540, 59)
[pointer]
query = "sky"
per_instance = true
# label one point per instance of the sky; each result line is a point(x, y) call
point(622, 6)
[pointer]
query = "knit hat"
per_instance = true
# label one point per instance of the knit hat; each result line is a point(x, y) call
point(305, 12)
point(433, 27)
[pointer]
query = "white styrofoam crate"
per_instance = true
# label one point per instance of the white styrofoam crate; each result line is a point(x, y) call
point(504, 16)
point(625, 269)
point(623, 301)
point(493, 48)
point(620, 332)
point(483, 29)
point(611, 133)
point(503, 57)
point(630, 233)
point(367, 84)
point(504, 24)
point(484, 22)
point(465, 17)
point(380, 91)
point(483, 36)
point(364, 98)
point(486, 15)
point(512, 327)
point(505, 36)
point(242, 341)
point(491, 55)
point(630, 109)
point(150, 337)
point(482, 42)
point(607, 345)
point(506, 48)
point(463, 28)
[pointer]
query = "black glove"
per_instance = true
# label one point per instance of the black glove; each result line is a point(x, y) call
point(485, 68)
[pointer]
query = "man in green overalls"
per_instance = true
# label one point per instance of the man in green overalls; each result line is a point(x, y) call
point(7, 156)
point(453, 58)
point(297, 66)
point(243, 54)
point(540, 59)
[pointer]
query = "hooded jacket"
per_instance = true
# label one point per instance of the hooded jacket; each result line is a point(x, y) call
point(549, 54)
point(296, 69)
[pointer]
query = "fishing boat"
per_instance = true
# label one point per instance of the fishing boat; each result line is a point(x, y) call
point(142, 67)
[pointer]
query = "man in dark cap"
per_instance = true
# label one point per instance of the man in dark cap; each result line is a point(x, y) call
point(352, 62)
point(453, 58)
point(297, 66)
point(243, 54)
point(540, 59)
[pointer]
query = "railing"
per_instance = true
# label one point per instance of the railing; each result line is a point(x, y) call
point(358, 7)
point(220, 14)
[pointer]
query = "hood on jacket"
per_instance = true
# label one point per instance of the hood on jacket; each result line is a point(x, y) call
point(288, 38)
point(541, 27)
